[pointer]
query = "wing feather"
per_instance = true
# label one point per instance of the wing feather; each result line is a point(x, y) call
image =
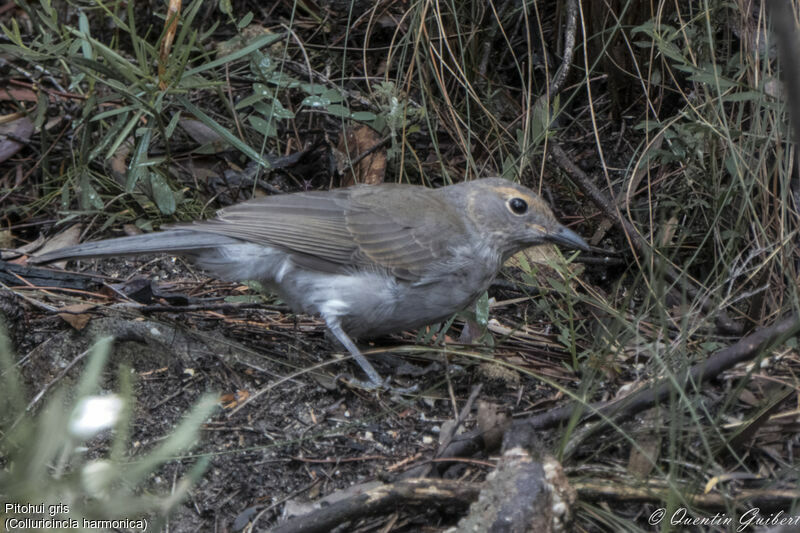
point(358, 227)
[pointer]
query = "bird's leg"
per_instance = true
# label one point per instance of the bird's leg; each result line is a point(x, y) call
point(375, 381)
point(372, 374)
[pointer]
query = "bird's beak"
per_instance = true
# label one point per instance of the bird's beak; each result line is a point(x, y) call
point(566, 237)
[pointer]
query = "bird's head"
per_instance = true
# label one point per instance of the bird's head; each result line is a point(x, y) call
point(514, 217)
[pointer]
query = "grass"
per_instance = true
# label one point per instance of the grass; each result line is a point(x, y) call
point(45, 458)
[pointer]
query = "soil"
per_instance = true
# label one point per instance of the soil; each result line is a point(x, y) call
point(285, 433)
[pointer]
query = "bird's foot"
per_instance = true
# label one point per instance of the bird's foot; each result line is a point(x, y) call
point(370, 385)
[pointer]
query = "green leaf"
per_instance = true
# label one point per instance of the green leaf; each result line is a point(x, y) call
point(91, 64)
point(260, 92)
point(136, 168)
point(267, 128)
point(273, 109)
point(671, 50)
point(281, 79)
point(712, 79)
point(223, 132)
point(743, 96)
point(313, 88)
point(509, 168)
point(123, 134)
point(339, 111)
point(711, 346)
point(363, 116)
point(42, 102)
point(540, 120)
point(172, 124)
point(246, 20)
point(482, 310)
point(83, 25)
point(334, 95)
point(89, 198)
point(114, 112)
point(262, 64)
point(162, 194)
point(266, 40)
point(13, 34)
point(144, 225)
point(315, 101)
point(124, 67)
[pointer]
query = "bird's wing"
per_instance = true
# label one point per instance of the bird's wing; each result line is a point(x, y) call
point(362, 226)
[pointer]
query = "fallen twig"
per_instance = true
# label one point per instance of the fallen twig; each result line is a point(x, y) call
point(624, 408)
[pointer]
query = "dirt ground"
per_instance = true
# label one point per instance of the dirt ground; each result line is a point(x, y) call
point(285, 434)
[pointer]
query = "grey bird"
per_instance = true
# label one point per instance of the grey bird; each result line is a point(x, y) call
point(369, 259)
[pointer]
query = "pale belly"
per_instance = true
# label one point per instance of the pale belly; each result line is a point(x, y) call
point(365, 303)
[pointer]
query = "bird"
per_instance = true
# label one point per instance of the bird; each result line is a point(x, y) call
point(369, 260)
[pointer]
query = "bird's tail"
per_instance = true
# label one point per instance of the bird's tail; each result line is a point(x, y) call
point(177, 241)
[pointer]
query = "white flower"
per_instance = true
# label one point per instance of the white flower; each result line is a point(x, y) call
point(93, 414)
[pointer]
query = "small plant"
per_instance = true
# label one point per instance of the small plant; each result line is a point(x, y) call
point(47, 482)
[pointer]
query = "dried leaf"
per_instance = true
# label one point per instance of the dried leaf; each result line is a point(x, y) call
point(670, 228)
point(493, 423)
point(203, 135)
point(643, 458)
point(6, 238)
point(67, 237)
point(22, 250)
point(231, 400)
point(13, 135)
point(18, 95)
point(173, 15)
point(118, 163)
point(356, 142)
point(76, 315)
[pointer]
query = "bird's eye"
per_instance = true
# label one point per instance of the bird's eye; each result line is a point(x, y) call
point(518, 206)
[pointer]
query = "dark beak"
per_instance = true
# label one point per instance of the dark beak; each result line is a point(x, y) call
point(566, 237)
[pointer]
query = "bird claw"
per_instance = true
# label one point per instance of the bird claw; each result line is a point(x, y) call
point(349, 380)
